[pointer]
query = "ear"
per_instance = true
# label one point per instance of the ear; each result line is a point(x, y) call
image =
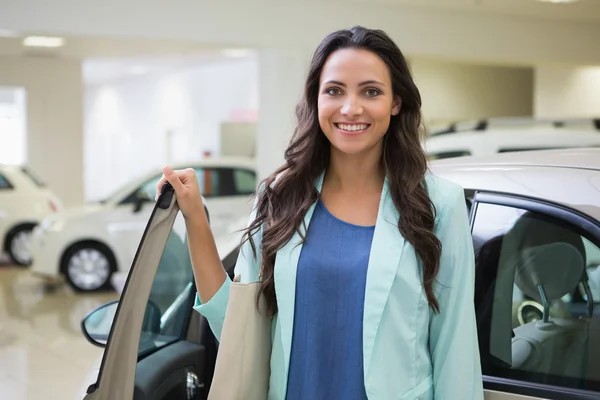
point(397, 105)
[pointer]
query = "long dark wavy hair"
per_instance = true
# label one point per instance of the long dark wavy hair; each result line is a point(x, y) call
point(289, 192)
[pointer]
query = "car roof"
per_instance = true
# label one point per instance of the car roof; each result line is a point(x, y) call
point(221, 161)
point(576, 158)
point(570, 177)
point(208, 162)
point(522, 123)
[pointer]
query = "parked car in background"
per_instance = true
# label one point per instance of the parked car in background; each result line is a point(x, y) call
point(535, 220)
point(87, 245)
point(503, 135)
point(24, 202)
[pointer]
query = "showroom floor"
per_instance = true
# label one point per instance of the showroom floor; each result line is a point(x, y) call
point(43, 354)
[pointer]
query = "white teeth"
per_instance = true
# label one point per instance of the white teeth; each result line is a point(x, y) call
point(352, 128)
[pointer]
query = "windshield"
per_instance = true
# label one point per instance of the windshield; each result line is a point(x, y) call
point(33, 176)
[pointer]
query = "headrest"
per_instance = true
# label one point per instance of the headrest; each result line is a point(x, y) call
point(557, 266)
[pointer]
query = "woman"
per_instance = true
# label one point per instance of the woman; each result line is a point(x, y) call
point(367, 259)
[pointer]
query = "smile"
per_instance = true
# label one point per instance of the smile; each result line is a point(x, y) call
point(352, 128)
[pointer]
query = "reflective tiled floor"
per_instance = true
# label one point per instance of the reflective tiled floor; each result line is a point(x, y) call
point(43, 354)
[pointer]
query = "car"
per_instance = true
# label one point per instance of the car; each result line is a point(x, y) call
point(535, 219)
point(25, 201)
point(502, 135)
point(91, 246)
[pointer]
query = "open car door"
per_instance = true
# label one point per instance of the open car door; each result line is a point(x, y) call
point(146, 334)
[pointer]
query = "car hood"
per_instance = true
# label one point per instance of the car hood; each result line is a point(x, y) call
point(75, 212)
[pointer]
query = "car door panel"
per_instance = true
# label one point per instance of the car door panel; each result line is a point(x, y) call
point(171, 373)
point(116, 377)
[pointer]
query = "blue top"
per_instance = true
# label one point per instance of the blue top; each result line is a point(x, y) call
point(326, 359)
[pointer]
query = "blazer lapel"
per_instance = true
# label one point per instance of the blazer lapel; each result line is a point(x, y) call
point(384, 260)
point(286, 265)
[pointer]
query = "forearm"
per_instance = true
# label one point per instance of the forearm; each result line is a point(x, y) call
point(209, 273)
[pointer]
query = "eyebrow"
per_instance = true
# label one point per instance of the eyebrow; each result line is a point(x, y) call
point(370, 82)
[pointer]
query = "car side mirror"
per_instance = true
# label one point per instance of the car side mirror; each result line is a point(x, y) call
point(97, 323)
point(139, 200)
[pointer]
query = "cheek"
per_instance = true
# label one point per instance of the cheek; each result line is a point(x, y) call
point(326, 109)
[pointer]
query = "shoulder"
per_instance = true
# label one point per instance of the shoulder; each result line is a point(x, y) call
point(445, 194)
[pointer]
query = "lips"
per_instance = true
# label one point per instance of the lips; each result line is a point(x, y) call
point(352, 128)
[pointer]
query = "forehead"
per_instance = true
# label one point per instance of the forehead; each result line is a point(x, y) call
point(354, 65)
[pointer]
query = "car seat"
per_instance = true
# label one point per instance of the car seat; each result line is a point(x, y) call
point(550, 264)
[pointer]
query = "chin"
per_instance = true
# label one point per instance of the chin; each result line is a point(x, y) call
point(352, 148)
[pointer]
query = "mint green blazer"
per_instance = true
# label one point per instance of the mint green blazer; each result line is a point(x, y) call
point(410, 353)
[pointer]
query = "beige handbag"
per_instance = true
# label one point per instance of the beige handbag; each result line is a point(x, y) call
point(242, 370)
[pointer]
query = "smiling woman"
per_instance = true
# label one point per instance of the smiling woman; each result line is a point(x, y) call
point(364, 258)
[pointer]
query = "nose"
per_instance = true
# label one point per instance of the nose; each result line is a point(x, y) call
point(352, 107)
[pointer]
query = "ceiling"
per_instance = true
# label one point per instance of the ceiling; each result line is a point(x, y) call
point(83, 47)
point(109, 59)
point(98, 71)
point(511, 31)
point(582, 10)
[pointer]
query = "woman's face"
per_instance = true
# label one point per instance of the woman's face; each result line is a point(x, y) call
point(356, 101)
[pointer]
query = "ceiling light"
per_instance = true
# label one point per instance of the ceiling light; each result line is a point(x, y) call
point(236, 53)
point(558, 1)
point(43, 41)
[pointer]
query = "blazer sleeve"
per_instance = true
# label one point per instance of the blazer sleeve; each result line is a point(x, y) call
point(453, 340)
point(247, 267)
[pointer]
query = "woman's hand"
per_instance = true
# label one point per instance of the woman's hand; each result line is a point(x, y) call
point(185, 184)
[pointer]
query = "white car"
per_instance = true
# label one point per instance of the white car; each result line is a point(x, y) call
point(24, 202)
point(535, 223)
point(88, 245)
point(503, 135)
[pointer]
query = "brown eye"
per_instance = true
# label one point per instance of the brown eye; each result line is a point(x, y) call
point(372, 92)
point(333, 91)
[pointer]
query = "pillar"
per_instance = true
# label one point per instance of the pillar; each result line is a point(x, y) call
point(281, 82)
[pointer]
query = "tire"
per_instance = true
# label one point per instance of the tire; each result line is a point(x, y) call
point(16, 238)
point(88, 267)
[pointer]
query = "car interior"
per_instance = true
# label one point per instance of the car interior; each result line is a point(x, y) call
point(536, 313)
point(184, 365)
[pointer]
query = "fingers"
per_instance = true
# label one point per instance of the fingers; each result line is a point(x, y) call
point(159, 186)
point(171, 176)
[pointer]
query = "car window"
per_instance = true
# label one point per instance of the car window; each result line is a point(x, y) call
point(166, 315)
point(209, 180)
point(536, 296)
point(37, 181)
point(448, 154)
point(517, 149)
point(4, 183)
point(245, 181)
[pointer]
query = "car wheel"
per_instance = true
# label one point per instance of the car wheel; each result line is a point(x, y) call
point(17, 244)
point(88, 267)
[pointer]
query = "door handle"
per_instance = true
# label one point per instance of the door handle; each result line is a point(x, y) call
point(193, 386)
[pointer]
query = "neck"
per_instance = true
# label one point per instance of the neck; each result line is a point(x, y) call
point(355, 172)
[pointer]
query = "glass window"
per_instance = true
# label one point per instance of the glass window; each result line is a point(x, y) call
point(171, 295)
point(536, 294)
point(210, 182)
point(208, 179)
point(517, 149)
point(33, 176)
point(245, 181)
point(4, 183)
point(448, 154)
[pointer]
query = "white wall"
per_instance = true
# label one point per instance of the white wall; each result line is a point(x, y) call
point(458, 91)
point(127, 121)
point(54, 119)
point(567, 91)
